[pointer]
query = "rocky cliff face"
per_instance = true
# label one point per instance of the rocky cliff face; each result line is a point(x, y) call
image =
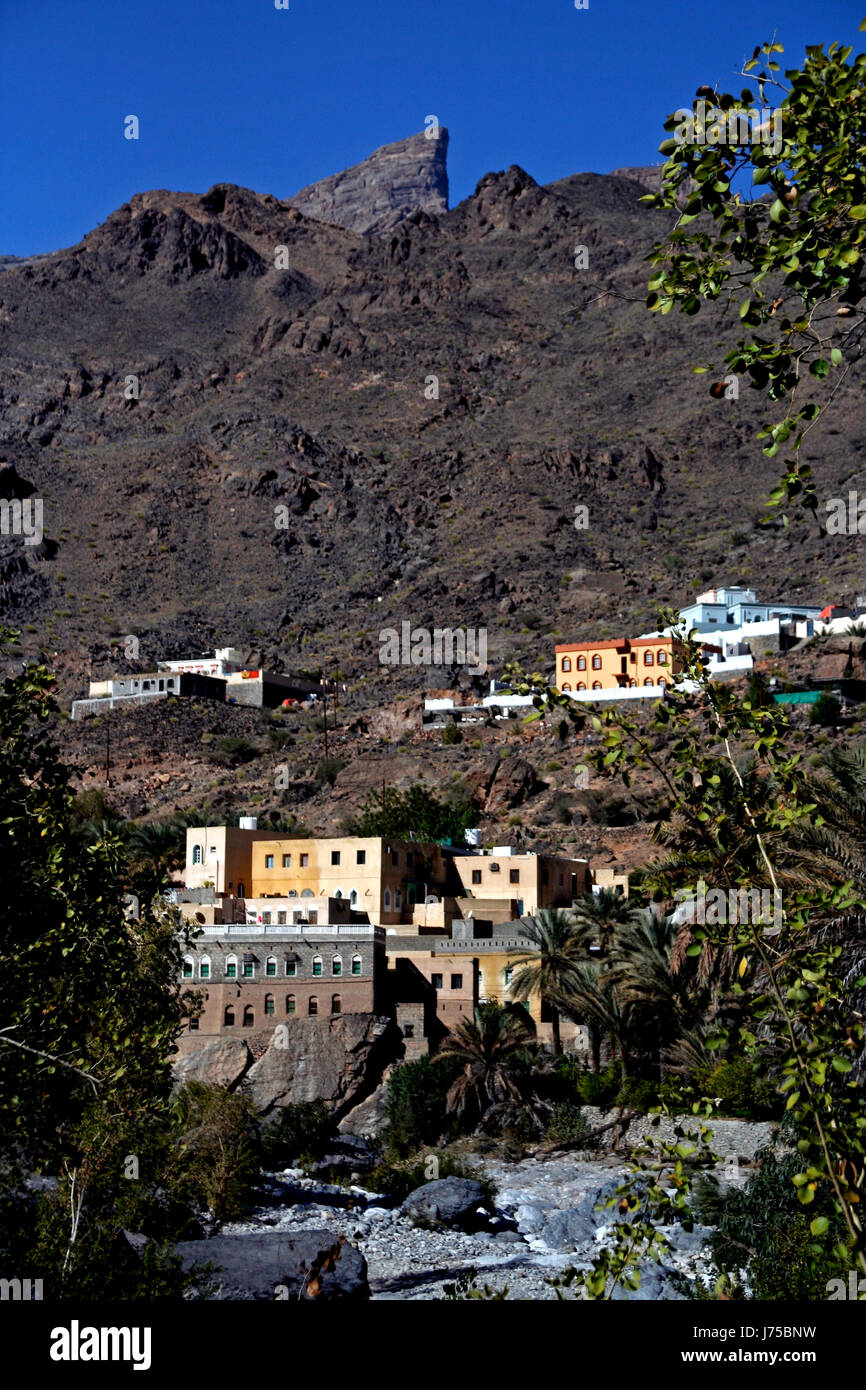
point(375, 196)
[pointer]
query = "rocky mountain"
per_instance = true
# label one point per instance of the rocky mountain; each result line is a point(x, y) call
point(378, 194)
point(251, 426)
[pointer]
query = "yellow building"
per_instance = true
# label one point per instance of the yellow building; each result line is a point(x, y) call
point(622, 663)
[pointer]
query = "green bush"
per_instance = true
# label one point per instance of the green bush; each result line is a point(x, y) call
point(299, 1136)
point(738, 1090)
point(397, 1178)
point(826, 710)
point(219, 1149)
point(415, 1103)
point(451, 734)
point(232, 750)
point(567, 1125)
point(328, 769)
point(600, 1088)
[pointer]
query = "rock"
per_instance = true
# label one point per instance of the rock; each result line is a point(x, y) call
point(566, 1230)
point(369, 1118)
point(273, 1265)
point(509, 1238)
point(446, 1202)
point(350, 1154)
point(378, 194)
point(221, 1063)
point(337, 1060)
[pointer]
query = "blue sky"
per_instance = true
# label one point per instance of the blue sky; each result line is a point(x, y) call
point(237, 91)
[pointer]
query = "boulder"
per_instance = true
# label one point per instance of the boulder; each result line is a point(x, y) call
point(446, 1202)
point(221, 1063)
point(338, 1060)
point(348, 1154)
point(269, 1265)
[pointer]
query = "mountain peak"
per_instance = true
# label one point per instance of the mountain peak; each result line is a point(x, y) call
point(375, 196)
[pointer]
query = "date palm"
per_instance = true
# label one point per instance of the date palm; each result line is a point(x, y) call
point(557, 943)
point(494, 1048)
point(603, 912)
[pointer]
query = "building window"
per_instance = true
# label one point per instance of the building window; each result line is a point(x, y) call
point(456, 981)
point(317, 965)
point(249, 970)
point(266, 919)
point(269, 861)
point(566, 685)
point(408, 1030)
point(513, 875)
point(249, 1016)
point(436, 981)
point(647, 658)
point(312, 1005)
point(291, 967)
point(596, 685)
point(336, 1004)
point(356, 965)
point(507, 974)
point(580, 685)
point(581, 663)
point(229, 1017)
point(271, 966)
point(337, 965)
point(648, 681)
point(662, 658)
point(212, 851)
point(193, 1025)
point(476, 875)
point(313, 916)
point(290, 1003)
point(335, 856)
point(361, 856)
point(596, 663)
point(387, 899)
point(269, 1003)
point(187, 967)
point(287, 861)
point(566, 663)
point(281, 919)
point(307, 893)
point(494, 867)
point(662, 682)
point(204, 968)
point(231, 967)
point(305, 861)
point(398, 900)
point(241, 891)
point(196, 854)
point(632, 684)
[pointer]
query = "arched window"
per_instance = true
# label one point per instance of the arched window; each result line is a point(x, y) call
point(596, 685)
point(648, 681)
point(566, 685)
point(290, 1004)
point(197, 854)
point(229, 1017)
point(581, 663)
point(662, 658)
point(242, 892)
point(647, 658)
point(581, 685)
point(353, 898)
point(249, 1016)
point(291, 967)
point(269, 1003)
point(387, 899)
point(188, 966)
point(337, 965)
point(338, 892)
point(632, 685)
point(566, 663)
point(317, 965)
point(596, 663)
point(231, 967)
point(204, 968)
point(398, 899)
point(271, 965)
point(313, 1005)
point(356, 965)
point(662, 682)
point(336, 1004)
point(308, 893)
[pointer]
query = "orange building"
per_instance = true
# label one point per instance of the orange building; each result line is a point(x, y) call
point(625, 662)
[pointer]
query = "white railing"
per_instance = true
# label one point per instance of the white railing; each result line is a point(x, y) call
point(294, 931)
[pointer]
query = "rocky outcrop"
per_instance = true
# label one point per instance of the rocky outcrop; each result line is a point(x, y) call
point(368, 1119)
point(378, 194)
point(221, 1063)
point(339, 1060)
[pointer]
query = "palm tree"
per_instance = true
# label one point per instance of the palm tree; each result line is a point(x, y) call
point(493, 1046)
point(157, 848)
point(603, 912)
point(560, 942)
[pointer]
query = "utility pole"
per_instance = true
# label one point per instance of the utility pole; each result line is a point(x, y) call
point(108, 747)
point(325, 714)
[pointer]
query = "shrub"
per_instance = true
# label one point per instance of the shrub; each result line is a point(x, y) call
point(232, 750)
point(826, 710)
point(328, 769)
point(451, 734)
point(219, 1149)
point(398, 1178)
point(567, 1124)
point(415, 1104)
point(739, 1090)
point(300, 1134)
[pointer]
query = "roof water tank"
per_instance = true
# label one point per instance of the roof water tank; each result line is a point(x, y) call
point(248, 822)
